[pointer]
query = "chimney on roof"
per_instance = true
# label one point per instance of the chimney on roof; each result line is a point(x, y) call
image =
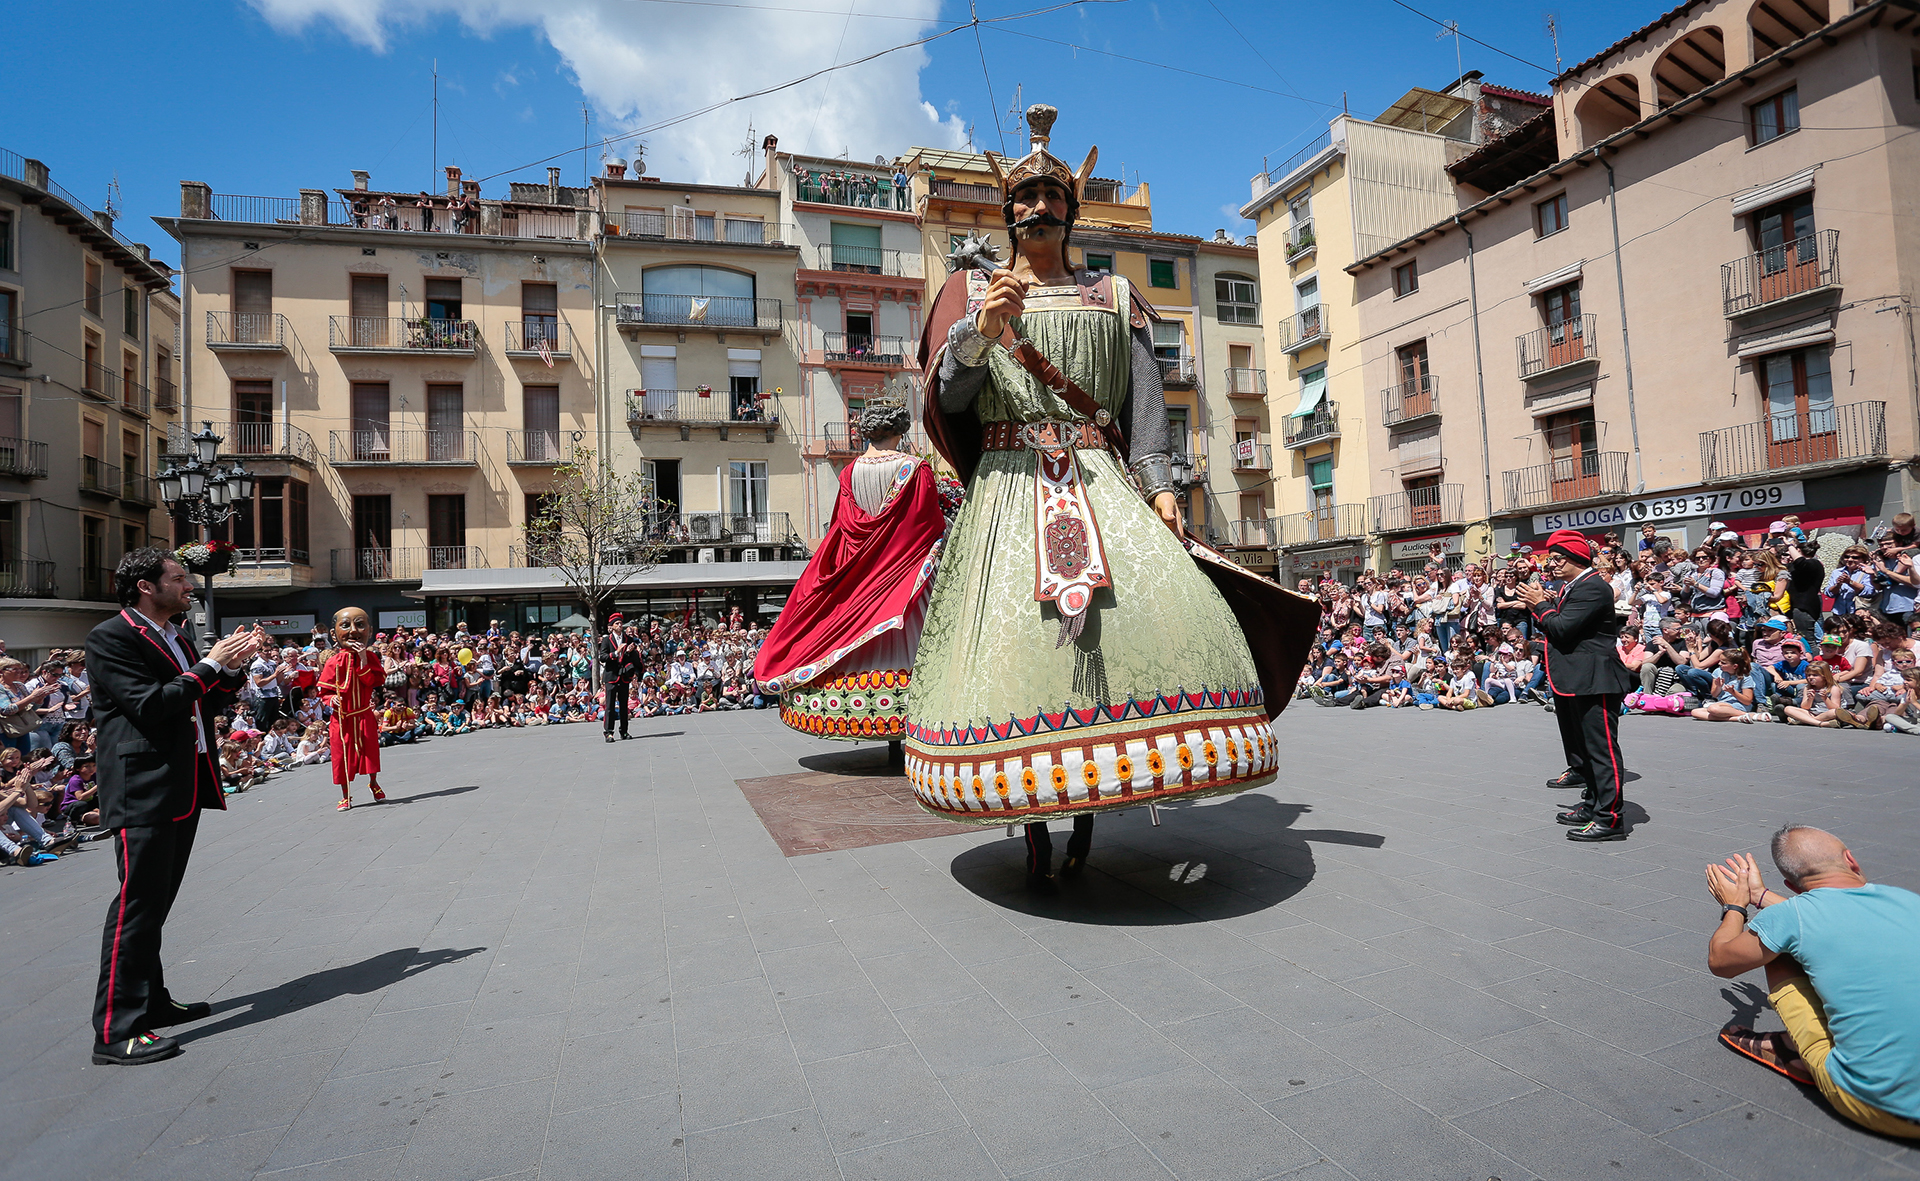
point(360, 180)
point(103, 219)
point(616, 169)
point(770, 148)
point(145, 253)
point(553, 185)
point(453, 180)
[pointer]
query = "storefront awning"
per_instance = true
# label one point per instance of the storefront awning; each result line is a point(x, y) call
point(1312, 391)
point(547, 581)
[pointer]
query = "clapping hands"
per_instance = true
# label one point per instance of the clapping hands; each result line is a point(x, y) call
point(1736, 883)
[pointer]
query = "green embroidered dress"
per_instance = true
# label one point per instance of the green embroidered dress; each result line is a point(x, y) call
point(1156, 698)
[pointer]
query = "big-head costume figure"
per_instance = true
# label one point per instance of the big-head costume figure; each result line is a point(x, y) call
point(350, 679)
point(1080, 652)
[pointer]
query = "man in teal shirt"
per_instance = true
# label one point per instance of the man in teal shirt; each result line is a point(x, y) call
point(1843, 966)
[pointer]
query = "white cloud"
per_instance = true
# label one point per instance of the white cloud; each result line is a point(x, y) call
point(639, 63)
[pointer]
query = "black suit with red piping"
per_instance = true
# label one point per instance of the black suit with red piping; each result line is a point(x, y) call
point(1581, 634)
point(153, 780)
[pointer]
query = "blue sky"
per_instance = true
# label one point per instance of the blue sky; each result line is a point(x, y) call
point(269, 96)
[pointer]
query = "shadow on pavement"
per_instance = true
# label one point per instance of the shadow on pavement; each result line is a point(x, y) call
point(428, 795)
point(1206, 861)
point(863, 761)
point(369, 975)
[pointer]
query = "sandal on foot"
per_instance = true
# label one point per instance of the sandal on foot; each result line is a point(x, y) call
point(343, 805)
point(1747, 1043)
point(379, 797)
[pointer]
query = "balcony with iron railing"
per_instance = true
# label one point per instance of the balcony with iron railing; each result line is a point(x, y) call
point(695, 407)
point(1823, 436)
point(725, 231)
point(853, 190)
point(246, 332)
point(535, 448)
point(635, 310)
point(1803, 266)
point(135, 398)
point(1558, 347)
point(1323, 526)
point(840, 441)
point(1573, 478)
point(99, 478)
point(166, 395)
point(136, 489)
point(402, 564)
point(1299, 240)
point(702, 529)
point(96, 583)
point(23, 459)
point(248, 440)
point(524, 338)
point(867, 260)
point(1323, 423)
point(1303, 329)
point(1250, 532)
point(1410, 402)
point(411, 448)
point(402, 336)
point(861, 351)
point(1246, 383)
point(98, 381)
point(27, 578)
point(1178, 370)
point(262, 559)
point(14, 341)
point(954, 190)
point(1249, 456)
point(1418, 508)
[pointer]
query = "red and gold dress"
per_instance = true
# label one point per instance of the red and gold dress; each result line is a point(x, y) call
point(353, 736)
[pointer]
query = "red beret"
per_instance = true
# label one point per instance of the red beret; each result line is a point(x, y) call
point(1573, 544)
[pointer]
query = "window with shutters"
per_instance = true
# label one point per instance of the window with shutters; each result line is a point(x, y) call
point(1168, 336)
point(1550, 216)
point(367, 311)
point(297, 542)
point(1161, 272)
point(1406, 279)
point(253, 307)
point(130, 310)
point(446, 420)
point(746, 487)
point(540, 410)
point(1099, 262)
point(371, 433)
point(540, 316)
point(443, 299)
point(6, 240)
point(93, 292)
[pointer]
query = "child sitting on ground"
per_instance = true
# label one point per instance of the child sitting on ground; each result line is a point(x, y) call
point(457, 720)
point(1463, 691)
point(312, 747)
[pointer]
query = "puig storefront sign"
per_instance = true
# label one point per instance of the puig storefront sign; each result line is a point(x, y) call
point(1755, 500)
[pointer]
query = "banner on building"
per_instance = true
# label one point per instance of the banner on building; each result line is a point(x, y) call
point(1420, 547)
point(1728, 502)
point(416, 618)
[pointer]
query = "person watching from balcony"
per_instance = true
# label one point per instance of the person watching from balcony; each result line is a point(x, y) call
point(1842, 961)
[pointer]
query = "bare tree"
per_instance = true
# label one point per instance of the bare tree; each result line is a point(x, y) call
point(595, 530)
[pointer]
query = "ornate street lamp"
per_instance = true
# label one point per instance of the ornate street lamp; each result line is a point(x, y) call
point(196, 487)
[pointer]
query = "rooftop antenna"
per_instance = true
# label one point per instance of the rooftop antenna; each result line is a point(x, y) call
point(970, 147)
point(433, 181)
point(113, 195)
point(747, 150)
point(586, 144)
point(1452, 29)
point(1017, 110)
point(1553, 31)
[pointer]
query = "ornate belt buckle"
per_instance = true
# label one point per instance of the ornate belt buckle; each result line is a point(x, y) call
point(1044, 435)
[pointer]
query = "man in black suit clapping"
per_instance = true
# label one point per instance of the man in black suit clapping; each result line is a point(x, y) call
point(154, 701)
point(1588, 681)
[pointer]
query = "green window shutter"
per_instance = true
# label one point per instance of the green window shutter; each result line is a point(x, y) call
point(1160, 273)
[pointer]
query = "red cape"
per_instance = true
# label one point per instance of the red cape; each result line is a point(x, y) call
point(867, 573)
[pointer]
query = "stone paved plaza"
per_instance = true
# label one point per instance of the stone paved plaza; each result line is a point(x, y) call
point(554, 958)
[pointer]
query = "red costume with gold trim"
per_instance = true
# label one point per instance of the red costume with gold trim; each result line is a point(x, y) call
point(353, 736)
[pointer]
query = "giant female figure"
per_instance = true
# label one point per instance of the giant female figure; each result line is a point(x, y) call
point(1080, 653)
point(840, 656)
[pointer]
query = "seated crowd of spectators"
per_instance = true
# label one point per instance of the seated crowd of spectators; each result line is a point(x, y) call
point(1781, 627)
point(436, 684)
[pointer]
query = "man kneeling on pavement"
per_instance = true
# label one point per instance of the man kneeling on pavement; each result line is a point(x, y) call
point(1843, 969)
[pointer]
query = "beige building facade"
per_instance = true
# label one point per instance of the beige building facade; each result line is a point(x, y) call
point(89, 384)
point(1229, 367)
point(401, 380)
point(1362, 186)
point(1684, 295)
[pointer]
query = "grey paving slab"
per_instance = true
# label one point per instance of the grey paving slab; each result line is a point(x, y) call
point(1383, 967)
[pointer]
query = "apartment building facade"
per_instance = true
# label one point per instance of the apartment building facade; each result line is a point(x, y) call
point(88, 387)
point(860, 298)
point(1363, 185)
point(1643, 312)
point(1229, 362)
point(698, 320)
point(401, 372)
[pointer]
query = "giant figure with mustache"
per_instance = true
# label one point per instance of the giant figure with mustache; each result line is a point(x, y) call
point(1081, 652)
